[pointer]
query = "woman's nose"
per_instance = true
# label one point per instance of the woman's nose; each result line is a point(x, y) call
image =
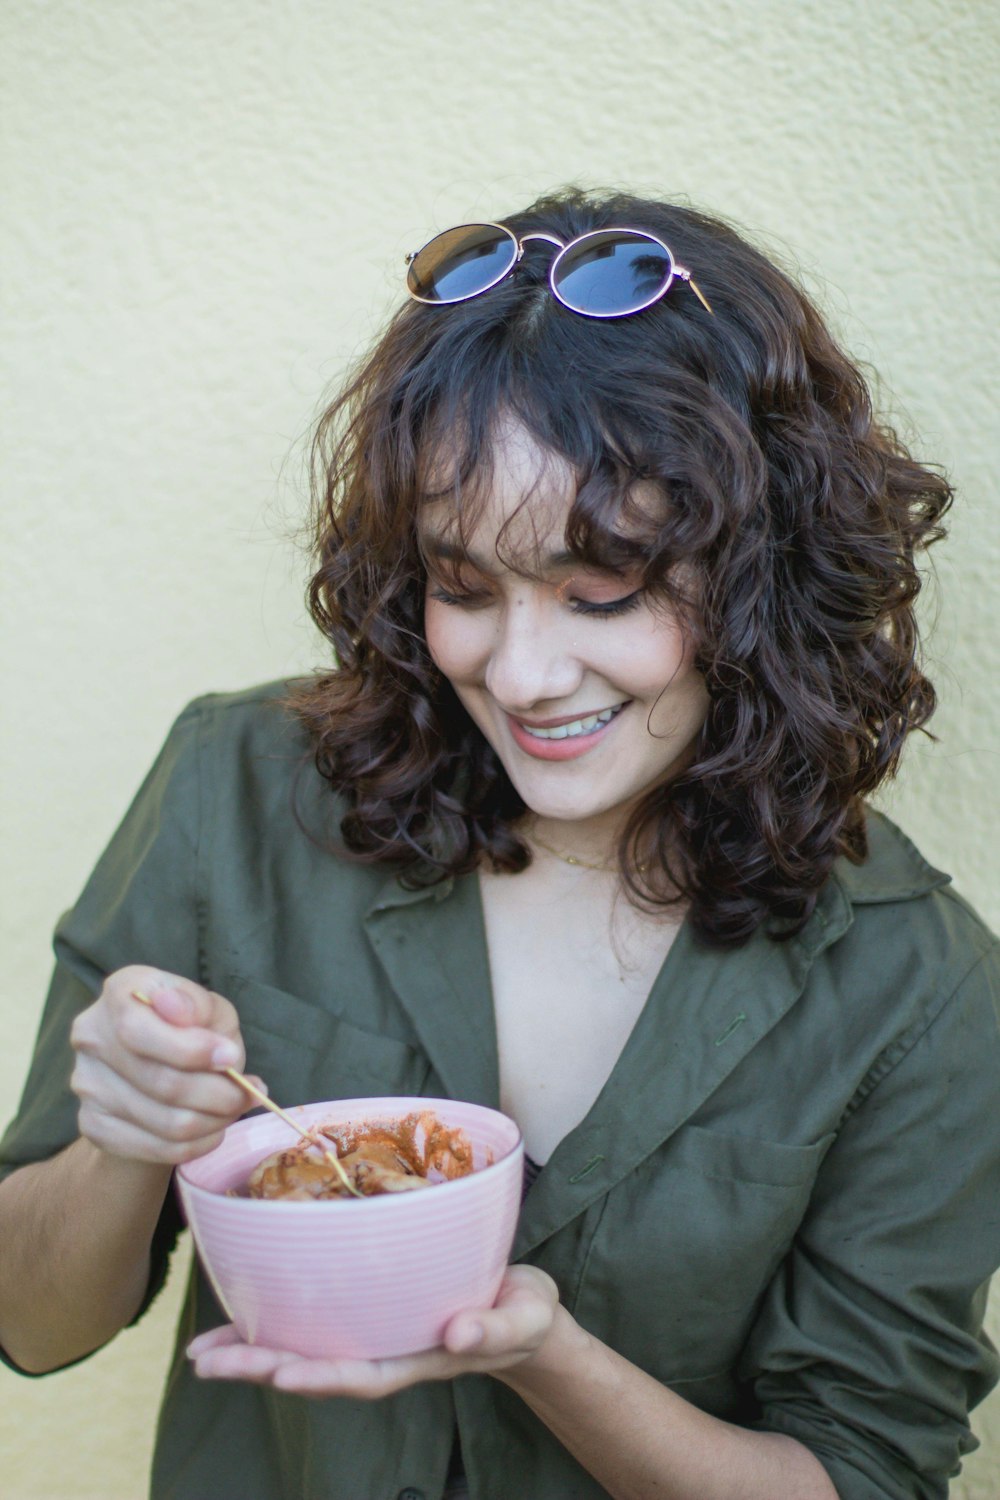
point(533, 659)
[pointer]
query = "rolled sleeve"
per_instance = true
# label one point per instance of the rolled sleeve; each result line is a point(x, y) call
point(869, 1346)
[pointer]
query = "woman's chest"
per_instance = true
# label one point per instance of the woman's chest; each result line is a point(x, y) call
point(569, 980)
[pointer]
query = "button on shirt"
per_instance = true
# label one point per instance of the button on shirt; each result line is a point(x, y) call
point(800, 1138)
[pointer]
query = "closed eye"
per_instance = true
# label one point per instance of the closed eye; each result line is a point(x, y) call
point(610, 609)
point(468, 598)
point(479, 598)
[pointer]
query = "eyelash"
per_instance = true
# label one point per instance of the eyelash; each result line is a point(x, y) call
point(609, 610)
point(578, 606)
point(444, 597)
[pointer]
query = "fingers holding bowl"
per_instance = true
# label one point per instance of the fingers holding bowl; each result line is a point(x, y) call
point(479, 1341)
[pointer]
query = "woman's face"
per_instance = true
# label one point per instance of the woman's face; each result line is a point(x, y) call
point(583, 686)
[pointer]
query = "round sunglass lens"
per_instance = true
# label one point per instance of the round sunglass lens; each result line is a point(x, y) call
point(612, 272)
point(461, 263)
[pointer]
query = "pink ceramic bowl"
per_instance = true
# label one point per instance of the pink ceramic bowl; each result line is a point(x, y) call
point(347, 1278)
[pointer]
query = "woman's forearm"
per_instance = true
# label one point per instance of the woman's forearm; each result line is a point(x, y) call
point(643, 1442)
point(75, 1235)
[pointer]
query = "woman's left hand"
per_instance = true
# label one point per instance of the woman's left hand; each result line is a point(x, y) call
point(476, 1342)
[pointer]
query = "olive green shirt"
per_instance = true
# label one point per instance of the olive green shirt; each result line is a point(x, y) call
point(783, 1204)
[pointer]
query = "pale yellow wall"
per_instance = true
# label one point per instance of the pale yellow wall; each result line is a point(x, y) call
point(207, 205)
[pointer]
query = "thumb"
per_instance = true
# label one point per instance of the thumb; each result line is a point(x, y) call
point(178, 1002)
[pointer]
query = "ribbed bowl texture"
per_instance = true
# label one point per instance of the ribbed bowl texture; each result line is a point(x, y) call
point(350, 1278)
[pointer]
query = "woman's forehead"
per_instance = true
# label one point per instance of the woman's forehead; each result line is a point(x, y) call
point(510, 462)
point(523, 529)
point(515, 502)
point(519, 490)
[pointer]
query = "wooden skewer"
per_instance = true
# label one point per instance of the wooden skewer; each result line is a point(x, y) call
point(276, 1109)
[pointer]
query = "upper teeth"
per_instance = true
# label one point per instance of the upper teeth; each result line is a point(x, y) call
point(578, 726)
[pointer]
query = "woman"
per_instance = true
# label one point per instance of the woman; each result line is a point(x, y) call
point(618, 569)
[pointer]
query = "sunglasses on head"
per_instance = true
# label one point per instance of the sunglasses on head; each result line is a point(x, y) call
point(608, 273)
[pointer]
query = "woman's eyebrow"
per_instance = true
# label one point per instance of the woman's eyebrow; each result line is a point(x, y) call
point(440, 549)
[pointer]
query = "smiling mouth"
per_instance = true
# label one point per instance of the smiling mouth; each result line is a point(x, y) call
point(574, 727)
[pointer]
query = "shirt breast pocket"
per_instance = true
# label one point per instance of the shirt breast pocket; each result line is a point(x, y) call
point(687, 1244)
point(306, 1053)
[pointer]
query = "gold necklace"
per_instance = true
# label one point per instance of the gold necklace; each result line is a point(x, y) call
point(575, 860)
point(568, 859)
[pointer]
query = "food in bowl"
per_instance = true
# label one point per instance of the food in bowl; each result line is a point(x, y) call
point(396, 1156)
point(359, 1279)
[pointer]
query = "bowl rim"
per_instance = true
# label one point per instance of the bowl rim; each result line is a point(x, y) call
point(399, 1105)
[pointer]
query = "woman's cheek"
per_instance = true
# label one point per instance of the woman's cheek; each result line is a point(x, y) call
point(450, 634)
point(432, 632)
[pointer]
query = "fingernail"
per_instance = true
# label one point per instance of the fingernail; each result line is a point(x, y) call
point(473, 1337)
point(225, 1055)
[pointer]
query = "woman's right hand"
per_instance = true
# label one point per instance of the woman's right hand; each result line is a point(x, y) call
point(149, 1077)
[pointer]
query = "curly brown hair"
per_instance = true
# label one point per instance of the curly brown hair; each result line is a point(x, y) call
point(792, 514)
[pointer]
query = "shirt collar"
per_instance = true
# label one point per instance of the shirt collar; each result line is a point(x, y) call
point(894, 870)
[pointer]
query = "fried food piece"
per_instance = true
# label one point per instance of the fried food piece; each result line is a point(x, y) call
point(371, 1176)
point(298, 1176)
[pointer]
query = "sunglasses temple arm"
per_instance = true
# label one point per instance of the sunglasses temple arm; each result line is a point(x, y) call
point(685, 275)
point(701, 299)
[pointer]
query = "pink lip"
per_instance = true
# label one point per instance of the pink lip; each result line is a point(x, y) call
point(567, 749)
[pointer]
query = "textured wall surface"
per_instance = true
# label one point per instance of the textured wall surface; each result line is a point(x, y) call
point(207, 206)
